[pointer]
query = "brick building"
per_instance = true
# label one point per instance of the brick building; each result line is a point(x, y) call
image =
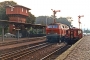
point(16, 13)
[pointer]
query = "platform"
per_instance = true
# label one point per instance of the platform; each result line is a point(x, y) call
point(79, 51)
point(15, 39)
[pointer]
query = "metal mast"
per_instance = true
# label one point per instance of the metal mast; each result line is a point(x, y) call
point(79, 20)
point(54, 12)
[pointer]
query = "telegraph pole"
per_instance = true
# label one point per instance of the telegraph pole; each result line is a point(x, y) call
point(54, 12)
point(79, 17)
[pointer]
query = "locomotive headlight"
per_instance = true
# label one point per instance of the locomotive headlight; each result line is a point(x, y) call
point(48, 33)
point(55, 33)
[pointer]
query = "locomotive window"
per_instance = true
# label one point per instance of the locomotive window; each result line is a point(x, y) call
point(50, 26)
point(55, 26)
point(79, 32)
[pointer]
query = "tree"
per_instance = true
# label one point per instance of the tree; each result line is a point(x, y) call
point(43, 19)
point(31, 18)
point(3, 15)
point(64, 21)
point(87, 31)
point(3, 5)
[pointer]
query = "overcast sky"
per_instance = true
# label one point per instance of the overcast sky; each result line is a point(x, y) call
point(71, 8)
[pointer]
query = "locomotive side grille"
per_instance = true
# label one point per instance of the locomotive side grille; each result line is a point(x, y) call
point(54, 31)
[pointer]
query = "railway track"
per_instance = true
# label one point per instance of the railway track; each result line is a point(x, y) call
point(53, 55)
point(9, 48)
point(14, 55)
point(21, 41)
point(39, 54)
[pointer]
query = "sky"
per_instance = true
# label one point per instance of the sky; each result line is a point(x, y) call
point(68, 8)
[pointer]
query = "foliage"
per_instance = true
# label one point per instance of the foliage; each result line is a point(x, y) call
point(42, 20)
point(5, 30)
point(3, 15)
point(87, 31)
point(31, 18)
point(0, 30)
point(3, 5)
point(64, 21)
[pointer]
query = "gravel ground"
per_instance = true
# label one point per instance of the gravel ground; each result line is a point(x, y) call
point(81, 51)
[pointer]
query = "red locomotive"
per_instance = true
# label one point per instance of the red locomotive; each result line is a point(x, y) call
point(56, 32)
point(73, 35)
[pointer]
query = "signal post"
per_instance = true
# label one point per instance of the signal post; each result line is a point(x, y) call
point(54, 12)
point(79, 17)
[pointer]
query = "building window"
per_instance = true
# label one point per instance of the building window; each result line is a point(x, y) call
point(12, 8)
point(26, 11)
point(22, 9)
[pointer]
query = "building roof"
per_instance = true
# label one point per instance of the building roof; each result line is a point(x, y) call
point(25, 24)
point(18, 6)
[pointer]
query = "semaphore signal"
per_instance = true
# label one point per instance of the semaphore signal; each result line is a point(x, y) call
point(54, 12)
point(79, 20)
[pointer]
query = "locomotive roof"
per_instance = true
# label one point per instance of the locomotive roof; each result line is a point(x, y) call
point(25, 24)
point(56, 23)
point(75, 28)
point(19, 6)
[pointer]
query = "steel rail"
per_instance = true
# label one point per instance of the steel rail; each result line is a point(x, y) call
point(18, 52)
point(62, 46)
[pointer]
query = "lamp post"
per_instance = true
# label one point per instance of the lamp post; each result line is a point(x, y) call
point(79, 17)
point(3, 24)
point(46, 20)
point(17, 33)
point(3, 33)
point(71, 23)
point(84, 28)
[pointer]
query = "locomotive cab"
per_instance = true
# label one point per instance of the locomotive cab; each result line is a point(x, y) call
point(52, 33)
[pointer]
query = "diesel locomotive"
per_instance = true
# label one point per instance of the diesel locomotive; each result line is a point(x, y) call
point(56, 32)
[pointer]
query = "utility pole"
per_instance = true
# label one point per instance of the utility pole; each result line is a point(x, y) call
point(54, 12)
point(84, 28)
point(79, 20)
point(46, 20)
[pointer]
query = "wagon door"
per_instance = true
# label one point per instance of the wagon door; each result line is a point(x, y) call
point(71, 33)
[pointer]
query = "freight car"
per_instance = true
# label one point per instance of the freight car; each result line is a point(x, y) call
point(56, 32)
point(73, 35)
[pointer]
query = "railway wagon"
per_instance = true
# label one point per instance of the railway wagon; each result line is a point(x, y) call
point(73, 35)
point(56, 32)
